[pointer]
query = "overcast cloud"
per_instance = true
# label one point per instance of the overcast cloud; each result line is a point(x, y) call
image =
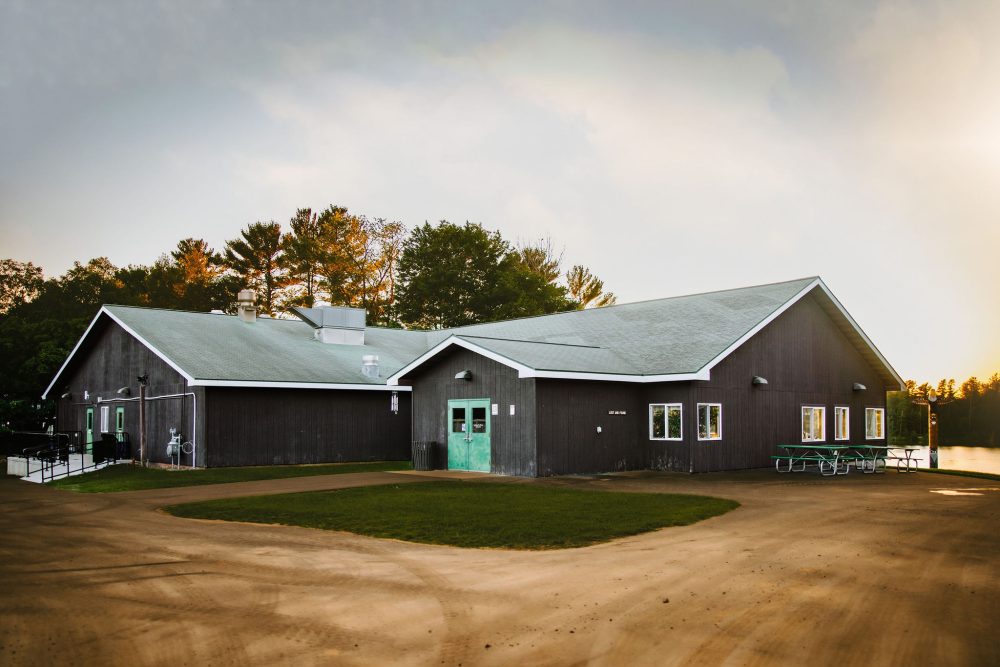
point(672, 149)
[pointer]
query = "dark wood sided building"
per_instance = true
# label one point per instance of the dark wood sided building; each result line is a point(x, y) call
point(698, 383)
point(242, 390)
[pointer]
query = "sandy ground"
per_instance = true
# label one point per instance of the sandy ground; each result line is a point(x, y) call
point(862, 570)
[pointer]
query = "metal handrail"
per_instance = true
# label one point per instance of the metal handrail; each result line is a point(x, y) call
point(48, 454)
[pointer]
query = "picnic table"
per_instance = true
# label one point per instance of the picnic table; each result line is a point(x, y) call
point(837, 459)
point(830, 459)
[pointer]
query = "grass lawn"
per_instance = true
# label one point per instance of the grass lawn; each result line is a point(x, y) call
point(470, 514)
point(126, 477)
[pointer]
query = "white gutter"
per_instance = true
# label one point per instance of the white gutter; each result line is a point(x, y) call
point(295, 385)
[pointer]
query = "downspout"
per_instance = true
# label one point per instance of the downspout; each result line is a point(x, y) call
point(194, 417)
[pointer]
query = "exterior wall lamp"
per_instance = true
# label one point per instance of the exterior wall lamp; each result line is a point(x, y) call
point(758, 380)
point(463, 375)
point(860, 387)
point(124, 391)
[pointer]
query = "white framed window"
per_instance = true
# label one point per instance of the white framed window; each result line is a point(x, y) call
point(841, 423)
point(710, 421)
point(874, 423)
point(105, 418)
point(665, 421)
point(813, 423)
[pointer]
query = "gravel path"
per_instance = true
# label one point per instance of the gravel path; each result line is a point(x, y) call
point(859, 570)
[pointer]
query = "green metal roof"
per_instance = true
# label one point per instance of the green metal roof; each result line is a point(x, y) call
point(668, 338)
point(660, 337)
point(208, 346)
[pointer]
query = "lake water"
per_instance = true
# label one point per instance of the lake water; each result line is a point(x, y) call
point(978, 459)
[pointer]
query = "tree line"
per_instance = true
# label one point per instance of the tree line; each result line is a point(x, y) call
point(967, 415)
point(433, 276)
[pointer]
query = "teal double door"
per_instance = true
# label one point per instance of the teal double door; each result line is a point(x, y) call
point(469, 434)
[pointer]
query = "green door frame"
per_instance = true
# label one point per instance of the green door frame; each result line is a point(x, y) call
point(469, 429)
point(89, 428)
point(120, 419)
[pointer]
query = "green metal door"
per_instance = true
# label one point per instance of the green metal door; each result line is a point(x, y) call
point(119, 420)
point(469, 434)
point(90, 428)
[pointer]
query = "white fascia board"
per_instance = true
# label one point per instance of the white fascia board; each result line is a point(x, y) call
point(818, 282)
point(69, 357)
point(170, 362)
point(864, 337)
point(763, 323)
point(131, 332)
point(393, 379)
point(703, 374)
point(528, 372)
point(296, 385)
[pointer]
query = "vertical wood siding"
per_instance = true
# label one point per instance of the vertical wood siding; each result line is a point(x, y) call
point(114, 359)
point(247, 426)
point(807, 361)
point(569, 412)
point(512, 442)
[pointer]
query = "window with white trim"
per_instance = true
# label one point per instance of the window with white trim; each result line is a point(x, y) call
point(665, 421)
point(841, 423)
point(710, 421)
point(813, 423)
point(874, 423)
point(105, 418)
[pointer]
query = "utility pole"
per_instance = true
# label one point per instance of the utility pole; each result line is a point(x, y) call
point(143, 381)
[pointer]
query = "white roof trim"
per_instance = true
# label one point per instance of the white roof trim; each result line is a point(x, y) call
point(210, 383)
point(187, 376)
point(818, 282)
point(393, 380)
point(760, 325)
point(45, 394)
point(116, 320)
point(528, 372)
point(864, 337)
point(296, 385)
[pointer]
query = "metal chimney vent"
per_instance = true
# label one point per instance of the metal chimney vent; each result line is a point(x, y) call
point(246, 305)
point(369, 366)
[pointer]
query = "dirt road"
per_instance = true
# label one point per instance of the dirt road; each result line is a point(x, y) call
point(862, 570)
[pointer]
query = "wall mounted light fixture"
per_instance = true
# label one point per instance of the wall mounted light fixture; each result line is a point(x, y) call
point(463, 375)
point(759, 380)
point(860, 387)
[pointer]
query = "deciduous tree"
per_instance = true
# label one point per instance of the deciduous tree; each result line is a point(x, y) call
point(20, 282)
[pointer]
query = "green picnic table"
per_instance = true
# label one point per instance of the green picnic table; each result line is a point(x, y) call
point(837, 459)
point(830, 459)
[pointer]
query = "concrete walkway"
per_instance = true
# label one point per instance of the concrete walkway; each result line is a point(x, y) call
point(857, 570)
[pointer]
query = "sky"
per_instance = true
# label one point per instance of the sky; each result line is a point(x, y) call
point(672, 147)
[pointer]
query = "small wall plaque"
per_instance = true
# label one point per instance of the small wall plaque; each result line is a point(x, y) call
point(512, 411)
point(494, 409)
point(617, 412)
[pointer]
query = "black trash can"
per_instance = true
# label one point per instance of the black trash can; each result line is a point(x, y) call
point(423, 455)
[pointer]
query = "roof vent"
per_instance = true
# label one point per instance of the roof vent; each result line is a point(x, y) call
point(335, 324)
point(369, 366)
point(246, 305)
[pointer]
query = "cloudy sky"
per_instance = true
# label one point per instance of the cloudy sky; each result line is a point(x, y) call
point(672, 147)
